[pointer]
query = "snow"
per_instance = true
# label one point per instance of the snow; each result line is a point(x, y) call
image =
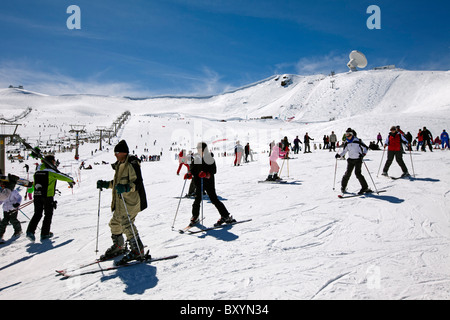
point(302, 243)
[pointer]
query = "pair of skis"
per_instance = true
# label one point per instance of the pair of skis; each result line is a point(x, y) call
point(68, 273)
point(189, 227)
point(352, 195)
point(20, 181)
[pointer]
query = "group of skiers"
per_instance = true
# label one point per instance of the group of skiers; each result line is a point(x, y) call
point(357, 150)
point(423, 139)
point(44, 191)
point(129, 197)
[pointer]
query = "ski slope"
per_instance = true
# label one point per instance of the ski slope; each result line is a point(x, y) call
point(303, 241)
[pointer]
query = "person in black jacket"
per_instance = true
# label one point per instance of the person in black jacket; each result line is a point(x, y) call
point(427, 138)
point(203, 170)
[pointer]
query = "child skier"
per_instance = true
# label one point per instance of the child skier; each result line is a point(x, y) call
point(10, 211)
point(356, 151)
point(275, 154)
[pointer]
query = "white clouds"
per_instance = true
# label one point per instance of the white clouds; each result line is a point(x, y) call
point(322, 64)
point(55, 83)
point(204, 82)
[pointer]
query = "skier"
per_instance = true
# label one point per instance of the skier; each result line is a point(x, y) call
point(419, 140)
point(444, 140)
point(44, 191)
point(238, 150)
point(188, 175)
point(437, 143)
point(333, 140)
point(183, 159)
point(128, 199)
point(393, 142)
point(427, 138)
point(10, 210)
point(306, 140)
point(379, 139)
point(247, 151)
point(285, 147)
point(275, 154)
point(356, 151)
point(203, 170)
point(296, 145)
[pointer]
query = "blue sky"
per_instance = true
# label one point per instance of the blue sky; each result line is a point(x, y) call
point(202, 47)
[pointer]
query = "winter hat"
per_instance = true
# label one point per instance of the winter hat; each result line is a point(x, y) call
point(122, 147)
point(50, 158)
point(349, 130)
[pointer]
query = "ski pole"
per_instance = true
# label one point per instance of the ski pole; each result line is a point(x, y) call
point(178, 207)
point(27, 216)
point(412, 165)
point(376, 190)
point(335, 169)
point(282, 165)
point(381, 162)
point(98, 218)
point(201, 189)
point(132, 228)
point(288, 166)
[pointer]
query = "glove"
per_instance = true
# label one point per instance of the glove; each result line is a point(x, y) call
point(362, 155)
point(203, 174)
point(121, 188)
point(16, 205)
point(101, 184)
point(337, 156)
point(188, 176)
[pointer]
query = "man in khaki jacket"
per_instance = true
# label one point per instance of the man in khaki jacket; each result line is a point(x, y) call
point(128, 199)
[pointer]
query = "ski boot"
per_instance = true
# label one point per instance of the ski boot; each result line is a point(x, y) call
point(365, 190)
point(136, 252)
point(194, 221)
point(46, 236)
point(405, 175)
point(31, 236)
point(17, 234)
point(223, 220)
point(116, 249)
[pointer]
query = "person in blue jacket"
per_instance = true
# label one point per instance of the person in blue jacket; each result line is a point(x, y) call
point(444, 139)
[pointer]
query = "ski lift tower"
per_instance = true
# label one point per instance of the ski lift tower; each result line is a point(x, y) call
point(7, 130)
point(77, 129)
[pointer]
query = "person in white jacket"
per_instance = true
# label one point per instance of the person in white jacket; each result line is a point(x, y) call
point(238, 150)
point(10, 210)
point(356, 151)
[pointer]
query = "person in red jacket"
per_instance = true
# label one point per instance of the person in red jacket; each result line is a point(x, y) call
point(394, 143)
point(183, 159)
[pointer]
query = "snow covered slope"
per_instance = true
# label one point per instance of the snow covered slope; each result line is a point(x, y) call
point(303, 242)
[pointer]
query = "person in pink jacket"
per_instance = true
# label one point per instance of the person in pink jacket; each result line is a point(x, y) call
point(274, 167)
